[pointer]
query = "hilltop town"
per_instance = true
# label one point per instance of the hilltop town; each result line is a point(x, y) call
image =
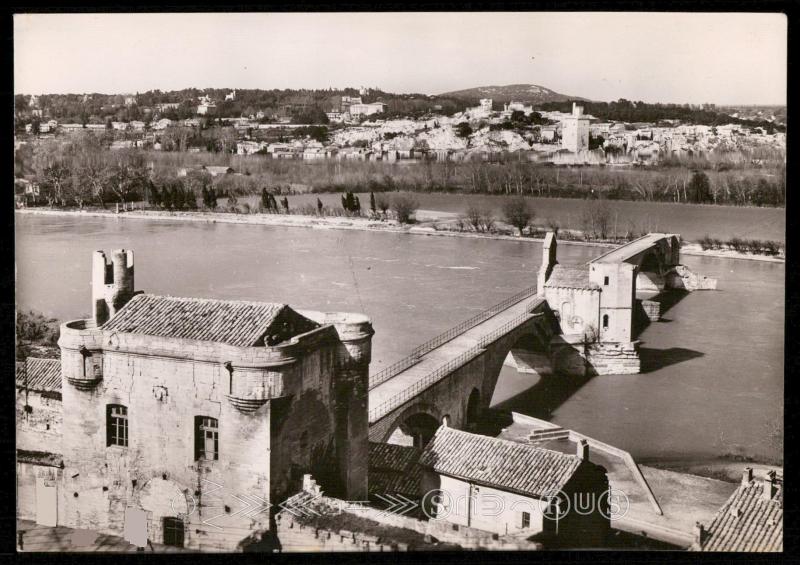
point(355, 128)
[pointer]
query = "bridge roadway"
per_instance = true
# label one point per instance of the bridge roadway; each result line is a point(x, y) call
point(381, 396)
point(631, 250)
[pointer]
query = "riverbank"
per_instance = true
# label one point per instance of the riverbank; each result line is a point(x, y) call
point(721, 469)
point(425, 227)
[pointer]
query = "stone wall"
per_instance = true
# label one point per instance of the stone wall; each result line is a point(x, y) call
point(39, 425)
point(579, 359)
point(268, 436)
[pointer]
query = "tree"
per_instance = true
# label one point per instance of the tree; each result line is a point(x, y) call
point(190, 200)
point(700, 188)
point(383, 203)
point(518, 212)
point(319, 206)
point(372, 206)
point(285, 203)
point(463, 129)
point(127, 176)
point(480, 218)
point(596, 220)
point(266, 204)
point(155, 196)
point(78, 191)
point(404, 207)
point(55, 182)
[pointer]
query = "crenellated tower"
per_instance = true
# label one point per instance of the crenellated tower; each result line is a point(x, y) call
point(112, 283)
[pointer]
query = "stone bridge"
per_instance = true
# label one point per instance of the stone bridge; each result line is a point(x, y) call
point(452, 377)
point(652, 257)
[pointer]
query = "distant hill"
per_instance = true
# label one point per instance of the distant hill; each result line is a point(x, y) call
point(528, 93)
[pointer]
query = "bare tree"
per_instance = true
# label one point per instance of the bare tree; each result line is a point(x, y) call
point(383, 203)
point(473, 217)
point(404, 207)
point(518, 212)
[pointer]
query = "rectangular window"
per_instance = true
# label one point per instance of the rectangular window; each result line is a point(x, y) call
point(526, 520)
point(117, 425)
point(206, 444)
point(173, 532)
point(605, 281)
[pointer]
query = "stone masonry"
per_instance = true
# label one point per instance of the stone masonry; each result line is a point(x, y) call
point(281, 410)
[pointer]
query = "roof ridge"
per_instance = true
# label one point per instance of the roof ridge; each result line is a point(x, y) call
point(516, 444)
point(202, 299)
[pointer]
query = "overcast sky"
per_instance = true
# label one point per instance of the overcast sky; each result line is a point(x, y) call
point(694, 58)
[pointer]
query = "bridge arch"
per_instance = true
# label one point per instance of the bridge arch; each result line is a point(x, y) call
point(415, 425)
point(464, 392)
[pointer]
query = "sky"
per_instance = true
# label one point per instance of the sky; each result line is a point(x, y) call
point(653, 57)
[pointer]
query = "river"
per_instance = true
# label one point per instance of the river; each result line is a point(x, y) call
point(714, 366)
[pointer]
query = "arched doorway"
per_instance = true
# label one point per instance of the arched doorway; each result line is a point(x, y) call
point(473, 409)
point(416, 430)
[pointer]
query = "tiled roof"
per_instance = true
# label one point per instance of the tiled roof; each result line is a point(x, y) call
point(394, 469)
point(570, 277)
point(499, 463)
point(44, 375)
point(748, 522)
point(233, 322)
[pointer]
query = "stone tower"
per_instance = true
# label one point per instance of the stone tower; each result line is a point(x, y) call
point(112, 283)
point(575, 130)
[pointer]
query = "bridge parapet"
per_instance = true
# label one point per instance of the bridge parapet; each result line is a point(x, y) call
point(419, 351)
point(441, 372)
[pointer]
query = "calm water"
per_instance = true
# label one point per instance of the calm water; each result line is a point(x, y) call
point(714, 375)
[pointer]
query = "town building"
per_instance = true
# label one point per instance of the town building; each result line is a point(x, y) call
point(175, 410)
point(750, 521)
point(39, 420)
point(357, 111)
point(166, 106)
point(508, 487)
point(575, 130)
point(485, 104)
point(206, 106)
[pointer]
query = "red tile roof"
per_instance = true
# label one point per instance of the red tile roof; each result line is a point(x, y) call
point(43, 375)
point(747, 522)
point(570, 277)
point(233, 322)
point(499, 463)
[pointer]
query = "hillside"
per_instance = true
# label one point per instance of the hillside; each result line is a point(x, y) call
point(527, 93)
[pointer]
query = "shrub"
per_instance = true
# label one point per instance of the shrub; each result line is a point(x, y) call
point(404, 207)
point(736, 244)
point(33, 326)
point(518, 212)
point(706, 243)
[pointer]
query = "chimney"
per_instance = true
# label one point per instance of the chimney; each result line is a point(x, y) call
point(699, 534)
point(583, 450)
point(770, 487)
point(747, 476)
